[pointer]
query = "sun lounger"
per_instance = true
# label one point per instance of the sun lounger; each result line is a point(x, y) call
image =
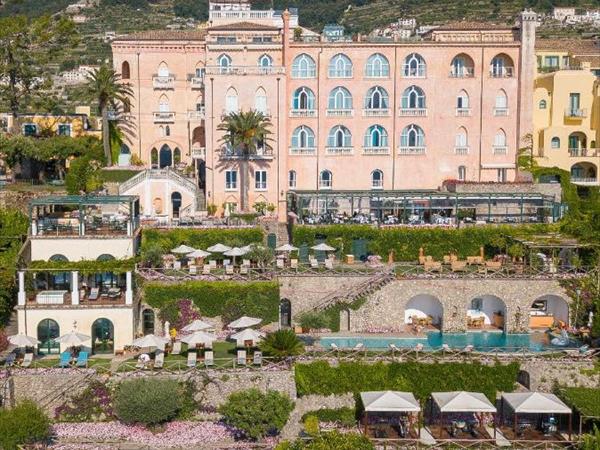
point(209, 358)
point(458, 266)
point(246, 262)
point(358, 347)
point(280, 263)
point(191, 360)
point(206, 269)
point(468, 349)
point(329, 264)
point(419, 347)
point(314, 263)
point(294, 263)
point(193, 270)
point(432, 266)
point(10, 360)
point(229, 269)
point(257, 359)
point(393, 348)
point(177, 265)
point(82, 359)
point(241, 358)
point(244, 270)
point(94, 293)
point(213, 263)
point(226, 262)
point(27, 360)
point(176, 348)
point(334, 346)
point(114, 293)
point(159, 359)
point(65, 359)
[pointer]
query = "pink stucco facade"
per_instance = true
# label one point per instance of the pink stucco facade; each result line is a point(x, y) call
point(188, 80)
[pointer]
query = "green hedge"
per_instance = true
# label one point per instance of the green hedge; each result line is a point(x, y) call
point(584, 400)
point(200, 239)
point(257, 299)
point(420, 379)
point(405, 242)
point(117, 176)
point(345, 416)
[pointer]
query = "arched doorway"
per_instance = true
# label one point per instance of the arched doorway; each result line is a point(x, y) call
point(548, 311)
point(105, 280)
point(424, 309)
point(485, 312)
point(103, 336)
point(202, 174)
point(175, 203)
point(148, 321)
point(60, 281)
point(165, 157)
point(154, 158)
point(285, 313)
point(47, 331)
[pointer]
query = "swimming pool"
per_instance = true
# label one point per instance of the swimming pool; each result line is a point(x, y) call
point(481, 341)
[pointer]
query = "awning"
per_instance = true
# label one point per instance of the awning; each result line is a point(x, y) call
point(389, 401)
point(535, 403)
point(461, 401)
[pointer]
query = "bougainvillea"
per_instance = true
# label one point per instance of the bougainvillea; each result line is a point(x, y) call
point(180, 313)
point(93, 403)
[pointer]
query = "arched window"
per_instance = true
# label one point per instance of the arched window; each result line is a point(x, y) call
point(176, 156)
point(500, 139)
point(154, 157)
point(163, 104)
point(462, 100)
point(461, 139)
point(224, 63)
point(58, 257)
point(542, 104)
point(462, 173)
point(501, 99)
point(412, 136)
point(292, 178)
point(303, 66)
point(103, 336)
point(377, 179)
point(413, 97)
point(231, 101)
point(260, 101)
point(304, 99)
point(339, 98)
point(414, 66)
point(303, 137)
point(377, 98)
point(165, 157)
point(167, 130)
point(555, 142)
point(105, 257)
point(125, 71)
point(340, 66)
point(339, 136)
point(47, 331)
point(462, 66)
point(378, 66)
point(501, 66)
point(265, 61)
point(376, 136)
point(148, 321)
point(325, 179)
point(163, 70)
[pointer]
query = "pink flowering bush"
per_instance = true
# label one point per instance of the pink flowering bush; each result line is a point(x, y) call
point(180, 313)
point(94, 403)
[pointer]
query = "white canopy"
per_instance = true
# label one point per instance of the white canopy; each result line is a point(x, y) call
point(247, 334)
point(151, 340)
point(235, 251)
point(198, 254)
point(535, 403)
point(245, 322)
point(218, 248)
point(199, 337)
point(461, 401)
point(390, 401)
point(197, 325)
point(323, 247)
point(248, 247)
point(73, 338)
point(286, 248)
point(183, 249)
point(22, 340)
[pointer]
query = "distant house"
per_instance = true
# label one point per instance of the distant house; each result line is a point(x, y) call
point(333, 33)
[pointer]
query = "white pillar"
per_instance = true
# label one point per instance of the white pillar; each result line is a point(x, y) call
point(34, 228)
point(75, 288)
point(21, 296)
point(128, 289)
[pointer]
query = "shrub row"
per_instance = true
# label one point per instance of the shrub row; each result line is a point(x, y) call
point(345, 416)
point(24, 425)
point(405, 242)
point(217, 298)
point(584, 400)
point(420, 379)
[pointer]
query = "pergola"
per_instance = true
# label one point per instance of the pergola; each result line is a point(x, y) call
point(460, 402)
point(533, 403)
point(390, 403)
point(551, 244)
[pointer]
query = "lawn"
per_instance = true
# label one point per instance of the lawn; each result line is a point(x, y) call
point(117, 176)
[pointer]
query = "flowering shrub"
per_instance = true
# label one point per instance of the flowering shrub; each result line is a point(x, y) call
point(180, 313)
point(94, 403)
point(23, 424)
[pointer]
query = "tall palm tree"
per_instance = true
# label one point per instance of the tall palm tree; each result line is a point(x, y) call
point(105, 87)
point(243, 132)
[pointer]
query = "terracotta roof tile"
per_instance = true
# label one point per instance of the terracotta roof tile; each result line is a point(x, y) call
point(165, 35)
point(243, 26)
point(472, 26)
point(575, 46)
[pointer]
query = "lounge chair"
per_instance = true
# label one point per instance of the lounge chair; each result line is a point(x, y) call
point(10, 360)
point(177, 265)
point(226, 262)
point(114, 293)
point(206, 269)
point(458, 266)
point(193, 270)
point(176, 348)
point(393, 348)
point(241, 358)
point(446, 349)
point(159, 359)
point(419, 347)
point(246, 262)
point(229, 269)
point(209, 358)
point(329, 264)
point(94, 293)
point(432, 266)
point(65, 360)
point(213, 263)
point(257, 359)
point(294, 263)
point(191, 360)
point(244, 270)
point(468, 349)
point(358, 347)
point(314, 263)
point(82, 359)
point(280, 263)
point(334, 346)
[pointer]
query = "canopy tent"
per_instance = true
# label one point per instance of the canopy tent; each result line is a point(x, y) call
point(392, 411)
point(247, 334)
point(390, 401)
point(197, 325)
point(461, 401)
point(322, 247)
point(535, 403)
point(199, 337)
point(245, 322)
point(198, 254)
point(151, 340)
point(218, 248)
point(183, 249)
point(286, 248)
point(73, 338)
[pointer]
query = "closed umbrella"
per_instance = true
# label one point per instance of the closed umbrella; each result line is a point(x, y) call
point(218, 248)
point(198, 254)
point(72, 339)
point(323, 247)
point(183, 249)
point(151, 340)
point(245, 322)
point(197, 325)
point(22, 340)
point(199, 337)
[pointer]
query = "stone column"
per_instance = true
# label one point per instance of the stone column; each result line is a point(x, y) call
point(75, 288)
point(128, 289)
point(21, 298)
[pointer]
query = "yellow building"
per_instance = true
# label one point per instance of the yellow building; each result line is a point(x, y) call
point(567, 108)
point(43, 125)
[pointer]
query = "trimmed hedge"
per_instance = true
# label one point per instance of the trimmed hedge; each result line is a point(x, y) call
point(405, 242)
point(213, 298)
point(148, 401)
point(200, 239)
point(584, 400)
point(420, 379)
point(345, 416)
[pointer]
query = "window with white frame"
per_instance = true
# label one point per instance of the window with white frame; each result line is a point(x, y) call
point(64, 129)
point(414, 66)
point(230, 179)
point(163, 104)
point(376, 98)
point(339, 136)
point(502, 175)
point(462, 173)
point(231, 101)
point(461, 139)
point(500, 139)
point(303, 66)
point(412, 136)
point(224, 61)
point(462, 100)
point(260, 180)
point(340, 98)
point(377, 179)
point(292, 179)
point(265, 61)
point(340, 66)
point(163, 70)
point(303, 99)
point(462, 66)
point(325, 179)
point(413, 97)
point(542, 104)
point(303, 137)
point(555, 142)
point(30, 129)
point(260, 101)
point(376, 136)
point(501, 100)
point(378, 66)
point(501, 66)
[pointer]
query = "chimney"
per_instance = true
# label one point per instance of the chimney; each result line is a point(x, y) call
point(286, 35)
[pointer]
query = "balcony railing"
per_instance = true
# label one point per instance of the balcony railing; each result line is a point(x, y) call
point(577, 113)
point(412, 112)
point(198, 152)
point(461, 150)
point(339, 112)
point(164, 117)
point(381, 112)
point(583, 152)
point(500, 112)
point(303, 113)
point(584, 180)
point(245, 70)
point(197, 82)
point(501, 72)
point(500, 150)
point(261, 153)
point(376, 150)
point(463, 112)
point(339, 150)
point(163, 82)
point(463, 72)
point(411, 150)
point(303, 150)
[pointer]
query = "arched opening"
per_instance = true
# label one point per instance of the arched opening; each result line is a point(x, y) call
point(577, 144)
point(583, 172)
point(176, 156)
point(377, 179)
point(105, 280)
point(165, 157)
point(260, 101)
point(231, 101)
point(148, 321)
point(303, 67)
point(501, 66)
point(154, 158)
point(325, 179)
point(60, 281)
point(425, 310)
point(103, 336)
point(175, 203)
point(199, 137)
point(285, 313)
point(163, 70)
point(47, 331)
point(548, 311)
point(125, 71)
point(486, 312)
point(462, 66)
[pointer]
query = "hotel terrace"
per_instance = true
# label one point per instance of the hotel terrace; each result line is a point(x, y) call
point(355, 115)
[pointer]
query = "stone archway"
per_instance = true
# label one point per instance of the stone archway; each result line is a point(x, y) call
point(486, 312)
point(547, 311)
point(424, 308)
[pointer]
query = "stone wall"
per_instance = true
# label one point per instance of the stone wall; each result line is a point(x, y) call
point(552, 189)
point(545, 374)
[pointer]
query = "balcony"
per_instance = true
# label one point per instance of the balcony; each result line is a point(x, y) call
point(382, 112)
point(583, 152)
point(245, 70)
point(501, 72)
point(584, 181)
point(164, 117)
point(463, 112)
point(198, 152)
point(198, 114)
point(303, 151)
point(376, 150)
point(411, 150)
point(261, 153)
point(303, 113)
point(412, 112)
point(197, 82)
point(462, 72)
point(500, 112)
point(163, 82)
point(461, 150)
point(500, 150)
point(575, 113)
point(339, 151)
point(339, 112)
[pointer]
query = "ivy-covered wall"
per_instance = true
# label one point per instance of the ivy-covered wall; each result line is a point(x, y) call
point(199, 238)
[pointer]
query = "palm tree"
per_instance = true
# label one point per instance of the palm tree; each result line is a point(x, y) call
point(281, 344)
point(105, 87)
point(243, 132)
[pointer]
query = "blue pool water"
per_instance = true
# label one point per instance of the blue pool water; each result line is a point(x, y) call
point(481, 341)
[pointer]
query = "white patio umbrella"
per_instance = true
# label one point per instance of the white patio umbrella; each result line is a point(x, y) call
point(245, 322)
point(247, 334)
point(183, 249)
point(198, 254)
point(22, 340)
point(323, 247)
point(197, 325)
point(235, 252)
point(199, 337)
point(151, 340)
point(218, 248)
point(73, 338)
point(286, 248)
